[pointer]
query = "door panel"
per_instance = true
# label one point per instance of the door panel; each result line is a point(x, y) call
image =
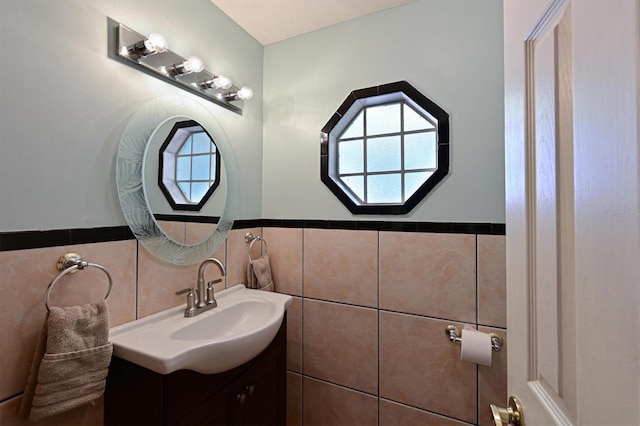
point(571, 128)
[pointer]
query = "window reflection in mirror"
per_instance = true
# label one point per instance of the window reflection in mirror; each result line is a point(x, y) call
point(189, 169)
point(184, 180)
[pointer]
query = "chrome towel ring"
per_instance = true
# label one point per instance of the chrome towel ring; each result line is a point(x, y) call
point(249, 237)
point(71, 263)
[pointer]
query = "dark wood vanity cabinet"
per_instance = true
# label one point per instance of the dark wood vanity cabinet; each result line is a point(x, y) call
point(252, 394)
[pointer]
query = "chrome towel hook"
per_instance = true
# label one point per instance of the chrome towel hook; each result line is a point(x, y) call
point(71, 263)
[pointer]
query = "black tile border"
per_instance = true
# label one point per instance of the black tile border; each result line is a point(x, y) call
point(187, 218)
point(377, 225)
point(23, 240)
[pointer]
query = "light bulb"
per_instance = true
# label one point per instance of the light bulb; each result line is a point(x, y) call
point(222, 82)
point(188, 66)
point(151, 45)
point(156, 43)
point(245, 93)
point(193, 64)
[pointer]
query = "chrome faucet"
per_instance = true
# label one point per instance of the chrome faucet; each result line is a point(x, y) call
point(203, 299)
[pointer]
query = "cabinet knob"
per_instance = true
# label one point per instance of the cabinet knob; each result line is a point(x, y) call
point(251, 389)
point(242, 397)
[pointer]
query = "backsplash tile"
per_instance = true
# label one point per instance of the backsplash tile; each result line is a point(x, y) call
point(492, 280)
point(395, 414)
point(351, 358)
point(419, 366)
point(326, 404)
point(158, 281)
point(492, 380)
point(294, 398)
point(285, 256)
point(238, 255)
point(341, 266)
point(294, 335)
point(428, 274)
point(340, 344)
point(26, 275)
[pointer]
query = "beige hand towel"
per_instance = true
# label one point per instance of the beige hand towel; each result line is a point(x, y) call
point(259, 273)
point(70, 363)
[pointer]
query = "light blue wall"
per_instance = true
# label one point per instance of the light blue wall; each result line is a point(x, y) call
point(64, 103)
point(450, 50)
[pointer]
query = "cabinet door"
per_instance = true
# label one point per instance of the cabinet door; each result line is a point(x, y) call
point(254, 396)
point(214, 412)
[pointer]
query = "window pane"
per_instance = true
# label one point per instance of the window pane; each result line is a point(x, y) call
point(201, 143)
point(356, 129)
point(185, 149)
point(356, 184)
point(383, 119)
point(351, 157)
point(413, 181)
point(198, 189)
point(420, 151)
point(384, 188)
point(200, 167)
point(185, 187)
point(383, 154)
point(414, 121)
point(184, 168)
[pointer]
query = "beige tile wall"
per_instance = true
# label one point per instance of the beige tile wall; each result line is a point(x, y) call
point(366, 341)
point(25, 277)
point(142, 285)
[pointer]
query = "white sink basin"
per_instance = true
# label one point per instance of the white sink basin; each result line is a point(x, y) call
point(242, 326)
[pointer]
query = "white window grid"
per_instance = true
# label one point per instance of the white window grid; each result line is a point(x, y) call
point(365, 137)
point(211, 156)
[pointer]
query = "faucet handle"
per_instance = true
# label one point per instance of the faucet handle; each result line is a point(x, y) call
point(211, 300)
point(184, 290)
point(211, 283)
point(191, 301)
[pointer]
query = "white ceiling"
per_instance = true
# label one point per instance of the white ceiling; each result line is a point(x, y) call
point(270, 21)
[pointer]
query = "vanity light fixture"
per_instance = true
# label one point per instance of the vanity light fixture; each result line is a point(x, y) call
point(152, 56)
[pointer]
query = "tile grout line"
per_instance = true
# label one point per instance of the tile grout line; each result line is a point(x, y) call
point(137, 282)
point(302, 376)
point(378, 314)
point(477, 328)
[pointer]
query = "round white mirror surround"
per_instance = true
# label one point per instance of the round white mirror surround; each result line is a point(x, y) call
point(130, 169)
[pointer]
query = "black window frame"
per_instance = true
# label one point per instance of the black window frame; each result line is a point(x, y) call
point(372, 96)
point(167, 193)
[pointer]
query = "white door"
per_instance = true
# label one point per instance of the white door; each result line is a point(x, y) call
point(572, 74)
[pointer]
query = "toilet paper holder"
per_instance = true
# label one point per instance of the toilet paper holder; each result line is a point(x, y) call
point(454, 334)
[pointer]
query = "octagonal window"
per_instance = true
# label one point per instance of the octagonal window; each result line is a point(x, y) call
point(189, 166)
point(385, 149)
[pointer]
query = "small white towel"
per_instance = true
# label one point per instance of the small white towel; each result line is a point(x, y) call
point(71, 361)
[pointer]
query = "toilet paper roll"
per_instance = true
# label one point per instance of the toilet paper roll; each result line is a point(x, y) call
point(476, 347)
